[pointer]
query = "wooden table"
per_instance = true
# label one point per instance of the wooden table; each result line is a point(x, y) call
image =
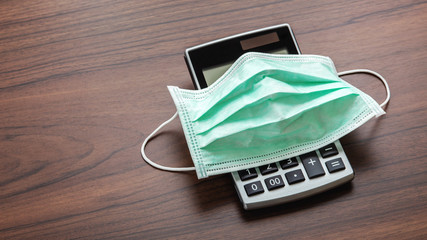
point(82, 83)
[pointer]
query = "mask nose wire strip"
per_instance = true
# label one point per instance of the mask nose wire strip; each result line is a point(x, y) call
point(372, 73)
point(171, 169)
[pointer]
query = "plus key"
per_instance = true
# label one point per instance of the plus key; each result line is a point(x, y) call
point(312, 165)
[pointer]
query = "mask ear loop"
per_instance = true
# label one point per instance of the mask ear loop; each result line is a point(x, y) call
point(171, 169)
point(374, 74)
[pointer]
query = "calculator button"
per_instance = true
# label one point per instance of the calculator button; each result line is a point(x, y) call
point(312, 165)
point(328, 151)
point(247, 174)
point(269, 168)
point(254, 188)
point(274, 182)
point(294, 176)
point(288, 163)
point(335, 165)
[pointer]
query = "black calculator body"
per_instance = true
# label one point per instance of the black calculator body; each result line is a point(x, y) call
point(288, 179)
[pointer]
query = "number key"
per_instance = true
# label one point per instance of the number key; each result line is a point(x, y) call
point(274, 182)
point(254, 188)
point(247, 174)
point(288, 163)
point(269, 168)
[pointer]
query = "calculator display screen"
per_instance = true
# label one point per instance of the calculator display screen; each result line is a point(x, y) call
point(209, 61)
point(211, 74)
point(259, 41)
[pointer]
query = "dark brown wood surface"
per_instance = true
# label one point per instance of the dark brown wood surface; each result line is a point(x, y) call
point(83, 82)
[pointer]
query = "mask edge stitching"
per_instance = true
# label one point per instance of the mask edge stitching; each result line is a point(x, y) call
point(194, 149)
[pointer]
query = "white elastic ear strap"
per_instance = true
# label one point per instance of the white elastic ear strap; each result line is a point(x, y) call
point(171, 169)
point(372, 73)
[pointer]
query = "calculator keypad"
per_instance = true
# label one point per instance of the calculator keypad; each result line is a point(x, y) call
point(293, 178)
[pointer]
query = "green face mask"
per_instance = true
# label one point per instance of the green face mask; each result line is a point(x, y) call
point(267, 108)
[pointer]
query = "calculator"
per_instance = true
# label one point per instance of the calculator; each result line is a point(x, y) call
point(286, 180)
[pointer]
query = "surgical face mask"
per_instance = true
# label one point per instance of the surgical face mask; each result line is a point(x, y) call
point(267, 108)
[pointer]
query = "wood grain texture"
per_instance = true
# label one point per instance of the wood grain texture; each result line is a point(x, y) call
point(83, 82)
